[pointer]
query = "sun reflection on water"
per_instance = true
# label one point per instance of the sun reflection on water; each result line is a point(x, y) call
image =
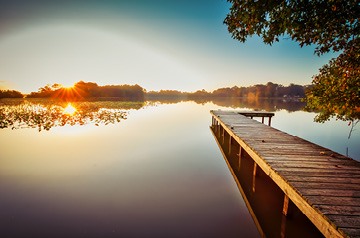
point(69, 109)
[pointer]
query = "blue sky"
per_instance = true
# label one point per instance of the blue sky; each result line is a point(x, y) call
point(158, 44)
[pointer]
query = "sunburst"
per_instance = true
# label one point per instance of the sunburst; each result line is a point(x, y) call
point(69, 93)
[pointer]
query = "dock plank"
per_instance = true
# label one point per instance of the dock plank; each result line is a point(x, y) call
point(319, 173)
point(318, 185)
point(346, 221)
point(336, 192)
point(332, 200)
point(323, 184)
point(351, 232)
point(339, 210)
point(314, 178)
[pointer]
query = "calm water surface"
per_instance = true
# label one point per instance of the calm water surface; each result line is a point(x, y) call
point(159, 173)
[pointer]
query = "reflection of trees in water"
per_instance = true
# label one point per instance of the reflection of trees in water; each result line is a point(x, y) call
point(166, 101)
point(44, 114)
point(267, 104)
point(94, 104)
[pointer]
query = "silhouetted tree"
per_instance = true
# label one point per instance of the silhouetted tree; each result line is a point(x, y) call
point(86, 90)
point(10, 94)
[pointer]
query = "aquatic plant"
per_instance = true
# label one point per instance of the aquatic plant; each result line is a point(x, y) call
point(46, 116)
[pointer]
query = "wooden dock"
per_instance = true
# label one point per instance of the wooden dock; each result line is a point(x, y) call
point(322, 184)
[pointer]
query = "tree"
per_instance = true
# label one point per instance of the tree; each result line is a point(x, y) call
point(271, 90)
point(331, 25)
point(10, 94)
point(335, 92)
point(85, 90)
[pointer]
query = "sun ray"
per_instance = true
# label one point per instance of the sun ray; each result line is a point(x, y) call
point(70, 94)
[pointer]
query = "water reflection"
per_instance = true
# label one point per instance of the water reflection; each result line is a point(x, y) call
point(69, 109)
point(157, 174)
point(44, 115)
point(265, 104)
point(290, 118)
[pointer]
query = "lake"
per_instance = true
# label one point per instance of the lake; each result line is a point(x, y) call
point(158, 173)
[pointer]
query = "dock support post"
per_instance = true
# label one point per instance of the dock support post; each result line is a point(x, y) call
point(269, 121)
point(262, 120)
point(287, 212)
point(283, 227)
point(230, 138)
point(223, 136)
point(240, 154)
point(287, 206)
point(255, 174)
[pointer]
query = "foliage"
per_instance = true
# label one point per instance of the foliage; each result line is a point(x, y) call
point(165, 94)
point(336, 90)
point(200, 94)
point(10, 94)
point(45, 92)
point(270, 90)
point(331, 25)
point(87, 90)
point(335, 93)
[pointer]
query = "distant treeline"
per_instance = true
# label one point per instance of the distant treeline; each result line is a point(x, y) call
point(87, 90)
point(270, 90)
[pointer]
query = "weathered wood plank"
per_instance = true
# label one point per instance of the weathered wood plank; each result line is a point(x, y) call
point(351, 232)
point(314, 178)
point(335, 201)
point(318, 165)
point(310, 158)
point(257, 114)
point(325, 191)
point(346, 221)
point(318, 185)
point(339, 209)
point(319, 171)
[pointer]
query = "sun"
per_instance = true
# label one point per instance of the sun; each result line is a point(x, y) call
point(69, 109)
point(67, 85)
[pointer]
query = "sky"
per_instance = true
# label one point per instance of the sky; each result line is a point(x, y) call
point(158, 44)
